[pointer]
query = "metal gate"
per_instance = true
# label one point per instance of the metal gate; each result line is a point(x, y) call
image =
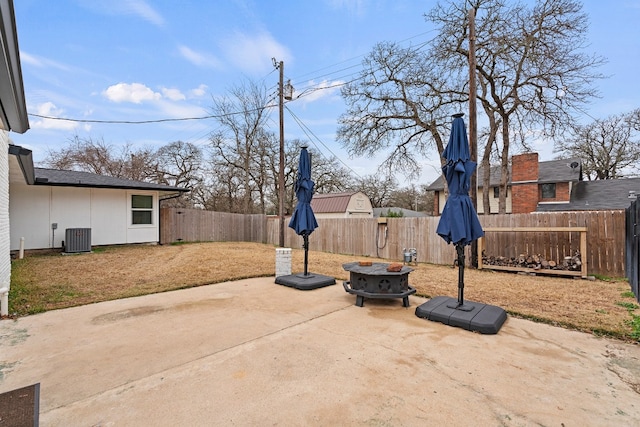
point(632, 246)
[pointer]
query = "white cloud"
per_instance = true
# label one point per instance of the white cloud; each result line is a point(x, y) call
point(50, 110)
point(173, 94)
point(138, 8)
point(200, 59)
point(182, 110)
point(324, 89)
point(130, 92)
point(143, 10)
point(40, 62)
point(253, 53)
point(199, 91)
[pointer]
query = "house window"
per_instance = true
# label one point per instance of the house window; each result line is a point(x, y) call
point(496, 192)
point(141, 210)
point(548, 191)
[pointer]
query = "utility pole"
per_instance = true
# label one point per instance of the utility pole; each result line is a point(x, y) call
point(280, 66)
point(473, 125)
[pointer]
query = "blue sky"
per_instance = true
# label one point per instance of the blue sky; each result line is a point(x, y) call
point(135, 60)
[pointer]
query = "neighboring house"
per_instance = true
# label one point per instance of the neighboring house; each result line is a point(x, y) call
point(406, 213)
point(46, 202)
point(602, 194)
point(342, 205)
point(532, 185)
point(13, 117)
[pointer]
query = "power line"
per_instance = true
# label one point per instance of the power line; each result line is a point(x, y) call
point(141, 122)
point(308, 131)
point(308, 90)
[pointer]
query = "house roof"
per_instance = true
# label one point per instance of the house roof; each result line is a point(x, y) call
point(560, 171)
point(65, 178)
point(13, 111)
point(548, 171)
point(54, 177)
point(330, 203)
point(597, 195)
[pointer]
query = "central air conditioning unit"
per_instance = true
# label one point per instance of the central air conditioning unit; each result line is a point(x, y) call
point(77, 240)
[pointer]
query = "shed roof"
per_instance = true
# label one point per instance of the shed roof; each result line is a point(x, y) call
point(330, 203)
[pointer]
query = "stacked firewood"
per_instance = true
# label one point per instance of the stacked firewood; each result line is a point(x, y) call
point(536, 262)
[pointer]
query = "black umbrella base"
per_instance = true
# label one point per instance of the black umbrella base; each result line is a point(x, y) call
point(472, 316)
point(305, 283)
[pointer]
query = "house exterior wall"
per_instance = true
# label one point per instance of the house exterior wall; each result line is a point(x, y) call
point(493, 201)
point(563, 193)
point(440, 200)
point(34, 208)
point(5, 255)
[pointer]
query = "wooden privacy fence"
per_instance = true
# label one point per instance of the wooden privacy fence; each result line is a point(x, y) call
point(196, 225)
point(632, 246)
point(366, 237)
point(605, 253)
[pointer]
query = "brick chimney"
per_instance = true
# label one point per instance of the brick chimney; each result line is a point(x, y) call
point(524, 183)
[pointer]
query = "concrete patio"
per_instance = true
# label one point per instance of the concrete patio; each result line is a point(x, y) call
point(252, 352)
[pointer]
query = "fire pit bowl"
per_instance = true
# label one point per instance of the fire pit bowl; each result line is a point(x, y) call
point(375, 281)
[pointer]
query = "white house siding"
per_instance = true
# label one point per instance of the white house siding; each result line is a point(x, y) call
point(108, 217)
point(493, 202)
point(30, 216)
point(34, 208)
point(5, 256)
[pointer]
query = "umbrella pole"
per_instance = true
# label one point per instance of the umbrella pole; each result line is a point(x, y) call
point(305, 236)
point(460, 251)
point(460, 305)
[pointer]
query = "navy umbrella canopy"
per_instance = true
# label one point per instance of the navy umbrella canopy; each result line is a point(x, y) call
point(459, 222)
point(303, 221)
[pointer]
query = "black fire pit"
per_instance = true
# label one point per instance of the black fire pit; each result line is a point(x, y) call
point(374, 281)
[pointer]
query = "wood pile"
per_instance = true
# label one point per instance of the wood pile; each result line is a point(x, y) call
point(535, 262)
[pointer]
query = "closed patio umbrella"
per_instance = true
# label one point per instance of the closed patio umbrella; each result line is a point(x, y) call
point(303, 221)
point(459, 225)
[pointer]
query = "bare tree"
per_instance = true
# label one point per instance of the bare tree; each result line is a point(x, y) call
point(243, 143)
point(531, 67)
point(399, 103)
point(532, 72)
point(608, 148)
point(412, 197)
point(96, 156)
point(180, 165)
point(378, 188)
